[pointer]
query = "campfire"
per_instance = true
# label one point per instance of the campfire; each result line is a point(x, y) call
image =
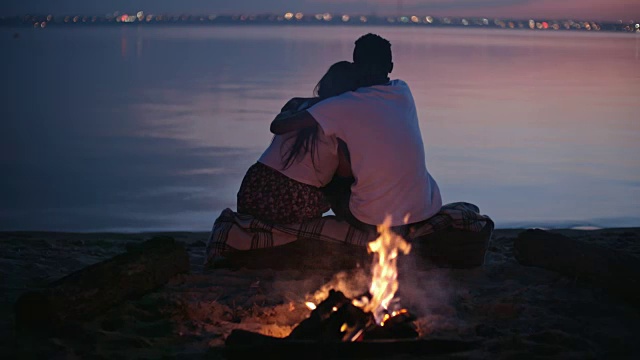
point(373, 315)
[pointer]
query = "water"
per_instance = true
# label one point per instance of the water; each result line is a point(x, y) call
point(151, 128)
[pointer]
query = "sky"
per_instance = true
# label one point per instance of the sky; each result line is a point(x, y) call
point(627, 10)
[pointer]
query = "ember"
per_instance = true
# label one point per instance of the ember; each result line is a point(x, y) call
point(310, 305)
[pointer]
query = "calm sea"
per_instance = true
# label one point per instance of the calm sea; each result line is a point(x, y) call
point(151, 128)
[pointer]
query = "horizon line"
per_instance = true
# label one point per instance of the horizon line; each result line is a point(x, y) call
point(316, 14)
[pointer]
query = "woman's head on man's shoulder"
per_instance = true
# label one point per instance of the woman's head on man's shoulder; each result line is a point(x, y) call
point(372, 63)
point(340, 78)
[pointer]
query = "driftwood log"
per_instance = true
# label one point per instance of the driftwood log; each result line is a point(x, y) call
point(92, 290)
point(609, 268)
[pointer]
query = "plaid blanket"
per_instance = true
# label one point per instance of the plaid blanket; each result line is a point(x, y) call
point(236, 232)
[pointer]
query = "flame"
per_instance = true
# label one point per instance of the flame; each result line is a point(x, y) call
point(384, 282)
point(310, 305)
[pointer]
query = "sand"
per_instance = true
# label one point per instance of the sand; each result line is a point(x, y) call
point(514, 311)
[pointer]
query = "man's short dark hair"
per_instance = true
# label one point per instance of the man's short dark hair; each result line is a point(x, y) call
point(372, 49)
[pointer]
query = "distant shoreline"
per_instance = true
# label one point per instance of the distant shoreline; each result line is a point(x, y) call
point(326, 19)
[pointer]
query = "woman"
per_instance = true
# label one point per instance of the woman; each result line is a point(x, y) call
point(285, 185)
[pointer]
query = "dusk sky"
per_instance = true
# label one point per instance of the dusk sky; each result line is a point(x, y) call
point(575, 9)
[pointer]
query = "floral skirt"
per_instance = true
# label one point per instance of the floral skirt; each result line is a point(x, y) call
point(271, 196)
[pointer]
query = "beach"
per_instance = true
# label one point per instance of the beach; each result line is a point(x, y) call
point(510, 310)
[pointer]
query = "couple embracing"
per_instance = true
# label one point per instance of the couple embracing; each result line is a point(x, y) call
point(355, 148)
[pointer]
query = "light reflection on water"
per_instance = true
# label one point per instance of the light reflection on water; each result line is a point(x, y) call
point(153, 128)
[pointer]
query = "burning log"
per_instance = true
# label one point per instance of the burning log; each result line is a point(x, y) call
point(612, 269)
point(398, 326)
point(337, 319)
point(317, 326)
point(92, 290)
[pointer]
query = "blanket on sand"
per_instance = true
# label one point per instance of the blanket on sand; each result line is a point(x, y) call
point(237, 232)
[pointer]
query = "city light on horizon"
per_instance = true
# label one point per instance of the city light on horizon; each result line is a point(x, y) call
point(139, 17)
point(594, 10)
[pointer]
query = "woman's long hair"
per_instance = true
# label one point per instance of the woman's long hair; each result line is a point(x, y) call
point(341, 77)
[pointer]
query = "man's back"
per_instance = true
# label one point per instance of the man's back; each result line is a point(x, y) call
point(380, 126)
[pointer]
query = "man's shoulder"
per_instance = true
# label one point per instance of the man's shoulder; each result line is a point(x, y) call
point(368, 96)
point(398, 82)
point(393, 86)
point(400, 86)
point(394, 90)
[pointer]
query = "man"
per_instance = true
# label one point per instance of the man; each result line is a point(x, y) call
point(379, 124)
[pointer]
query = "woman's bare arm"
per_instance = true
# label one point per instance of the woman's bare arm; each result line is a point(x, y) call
point(291, 118)
point(287, 122)
point(295, 103)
